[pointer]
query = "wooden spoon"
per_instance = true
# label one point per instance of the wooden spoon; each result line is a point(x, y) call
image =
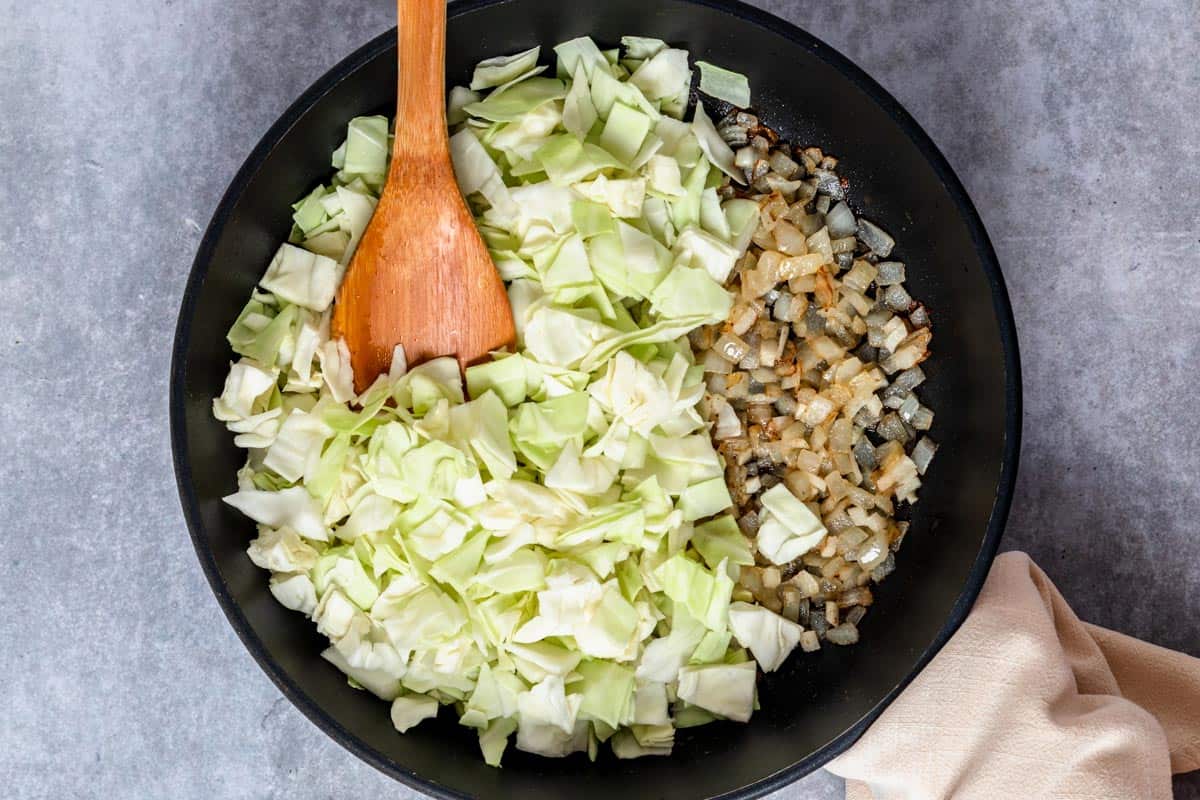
point(421, 275)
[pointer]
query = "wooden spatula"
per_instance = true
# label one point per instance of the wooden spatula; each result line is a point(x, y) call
point(421, 275)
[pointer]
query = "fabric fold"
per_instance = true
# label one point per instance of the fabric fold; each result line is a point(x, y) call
point(1028, 700)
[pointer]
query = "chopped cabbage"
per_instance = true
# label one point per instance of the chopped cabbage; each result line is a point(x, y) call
point(789, 529)
point(502, 69)
point(732, 87)
point(770, 637)
point(409, 710)
point(546, 551)
point(304, 278)
point(724, 689)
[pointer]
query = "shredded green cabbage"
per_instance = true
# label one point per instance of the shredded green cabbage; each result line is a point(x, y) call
point(718, 82)
point(547, 553)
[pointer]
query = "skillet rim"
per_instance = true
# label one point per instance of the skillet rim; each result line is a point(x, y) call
point(963, 206)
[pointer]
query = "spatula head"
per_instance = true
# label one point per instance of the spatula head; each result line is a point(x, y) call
point(421, 277)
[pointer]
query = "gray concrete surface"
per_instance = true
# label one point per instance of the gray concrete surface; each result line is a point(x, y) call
point(1072, 124)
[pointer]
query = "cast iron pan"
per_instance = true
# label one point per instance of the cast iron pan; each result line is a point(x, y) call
point(817, 705)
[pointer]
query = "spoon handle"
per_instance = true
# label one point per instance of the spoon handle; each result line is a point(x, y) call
point(421, 94)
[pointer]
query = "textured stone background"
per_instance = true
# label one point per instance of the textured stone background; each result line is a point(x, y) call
point(1073, 126)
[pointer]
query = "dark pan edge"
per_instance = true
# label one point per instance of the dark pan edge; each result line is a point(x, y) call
point(1000, 302)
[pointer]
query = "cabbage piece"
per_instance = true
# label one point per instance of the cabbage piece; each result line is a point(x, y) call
point(494, 740)
point(721, 539)
point(475, 171)
point(329, 243)
point(522, 138)
point(693, 454)
point(339, 618)
point(374, 513)
point(712, 647)
point(409, 710)
point(281, 550)
point(367, 146)
point(303, 278)
point(494, 696)
point(611, 630)
point(357, 210)
point(565, 604)
point(732, 87)
point(350, 576)
point(293, 507)
point(513, 102)
point(691, 293)
point(579, 112)
point(417, 616)
point(460, 97)
point(562, 337)
point(295, 592)
point(642, 47)
point(663, 176)
point(704, 594)
point(633, 394)
point(425, 385)
point(523, 571)
point(535, 662)
point(336, 370)
point(624, 131)
point(624, 197)
point(546, 706)
point(458, 567)
point(743, 216)
point(664, 75)
point(440, 530)
point(541, 204)
point(712, 216)
point(309, 213)
point(587, 475)
point(769, 636)
point(625, 743)
point(607, 692)
point(378, 682)
point(591, 219)
point(482, 425)
point(246, 388)
point(685, 209)
point(580, 54)
point(704, 499)
point(630, 263)
point(666, 330)
point(541, 430)
point(714, 147)
point(566, 160)
point(569, 266)
point(300, 377)
point(434, 469)
point(650, 704)
point(725, 689)
point(502, 69)
point(262, 331)
point(662, 658)
point(549, 740)
point(790, 529)
point(297, 446)
point(779, 545)
point(504, 375)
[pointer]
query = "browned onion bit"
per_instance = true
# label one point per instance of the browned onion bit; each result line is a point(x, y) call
point(811, 382)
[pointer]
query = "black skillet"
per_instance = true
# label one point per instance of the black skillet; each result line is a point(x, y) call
point(817, 705)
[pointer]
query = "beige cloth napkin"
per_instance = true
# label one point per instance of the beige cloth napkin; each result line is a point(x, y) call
point(1027, 701)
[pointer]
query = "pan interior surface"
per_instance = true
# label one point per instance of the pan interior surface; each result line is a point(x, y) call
point(816, 704)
